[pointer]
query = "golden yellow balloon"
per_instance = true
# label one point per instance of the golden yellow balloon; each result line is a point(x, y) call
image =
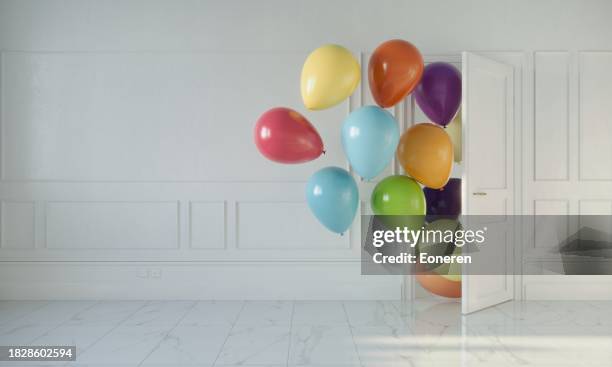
point(454, 131)
point(426, 153)
point(330, 74)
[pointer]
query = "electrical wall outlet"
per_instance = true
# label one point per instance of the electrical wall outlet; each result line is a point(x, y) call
point(146, 273)
point(155, 273)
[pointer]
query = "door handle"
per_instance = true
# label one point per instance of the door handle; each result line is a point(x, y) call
point(479, 193)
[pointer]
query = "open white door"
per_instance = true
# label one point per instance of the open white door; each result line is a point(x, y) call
point(488, 178)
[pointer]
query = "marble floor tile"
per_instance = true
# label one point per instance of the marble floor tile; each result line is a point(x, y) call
point(372, 313)
point(257, 345)
point(385, 345)
point(441, 313)
point(27, 328)
point(57, 312)
point(82, 337)
point(319, 313)
point(160, 313)
point(266, 313)
point(106, 313)
point(12, 310)
point(322, 344)
point(124, 344)
point(435, 319)
point(189, 345)
point(213, 313)
point(427, 332)
point(16, 333)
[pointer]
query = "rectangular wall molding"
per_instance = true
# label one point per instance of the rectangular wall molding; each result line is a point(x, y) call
point(551, 207)
point(208, 225)
point(595, 207)
point(549, 235)
point(17, 224)
point(595, 117)
point(596, 215)
point(283, 226)
point(551, 116)
point(112, 225)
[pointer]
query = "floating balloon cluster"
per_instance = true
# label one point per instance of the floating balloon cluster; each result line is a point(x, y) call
point(371, 137)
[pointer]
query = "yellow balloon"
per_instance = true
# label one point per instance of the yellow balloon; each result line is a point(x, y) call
point(454, 131)
point(329, 75)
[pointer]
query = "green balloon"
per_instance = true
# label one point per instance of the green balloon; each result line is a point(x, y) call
point(399, 202)
point(398, 195)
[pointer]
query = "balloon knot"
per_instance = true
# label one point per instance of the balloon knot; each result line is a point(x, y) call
point(324, 151)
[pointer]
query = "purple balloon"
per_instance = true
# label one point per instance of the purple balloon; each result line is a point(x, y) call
point(444, 202)
point(439, 93)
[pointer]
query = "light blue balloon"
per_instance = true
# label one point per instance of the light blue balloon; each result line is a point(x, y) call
point(370, 136)
point(333, 197)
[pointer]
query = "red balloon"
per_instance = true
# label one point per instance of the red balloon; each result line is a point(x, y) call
point(285, 136)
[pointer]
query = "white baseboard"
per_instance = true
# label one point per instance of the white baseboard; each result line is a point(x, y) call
point(567, 287)
point(177, 281)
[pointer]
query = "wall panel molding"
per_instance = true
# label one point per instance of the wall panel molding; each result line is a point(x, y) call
point(547, 235)
point(283, 225)
point(17, 224)
point(551, 116)
point(118, 225)
point(595, 116)
point(208, 224)
point(595, 206)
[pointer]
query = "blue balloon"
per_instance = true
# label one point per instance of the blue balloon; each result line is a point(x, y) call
point(333, 197)
point(370, 136)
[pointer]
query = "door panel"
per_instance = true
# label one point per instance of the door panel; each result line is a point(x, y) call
point(488, 106)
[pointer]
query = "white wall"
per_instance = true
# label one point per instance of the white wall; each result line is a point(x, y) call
point(127, 164)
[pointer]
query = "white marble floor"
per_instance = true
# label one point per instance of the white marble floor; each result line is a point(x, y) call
point(322, 333)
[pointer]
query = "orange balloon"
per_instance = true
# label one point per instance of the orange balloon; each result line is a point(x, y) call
point(437, 284)
point(394, 71)
point(426, 153)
